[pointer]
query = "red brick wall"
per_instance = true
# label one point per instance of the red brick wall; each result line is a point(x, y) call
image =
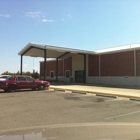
point(93, 65)
point(117, 64)
point(51, 66)
point(41, 68)
point(60, 68)
point(114, 64)
point(68, 65)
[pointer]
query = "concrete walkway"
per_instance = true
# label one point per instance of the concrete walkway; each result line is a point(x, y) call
point(133, 93)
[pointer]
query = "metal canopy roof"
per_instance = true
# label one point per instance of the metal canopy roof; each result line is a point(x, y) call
point(118, 49)
point(35, 50)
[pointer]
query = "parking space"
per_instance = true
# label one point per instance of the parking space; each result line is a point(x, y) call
point(35, 108)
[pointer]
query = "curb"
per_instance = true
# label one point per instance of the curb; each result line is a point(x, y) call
point(106, 95)
point(80, 92)
point(132, 98)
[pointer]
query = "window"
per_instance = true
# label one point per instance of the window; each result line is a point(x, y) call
point(19, 79)
point(52, 74)
point(29, 79)
point(4, 77)
point(10, 78)
point(67, 73)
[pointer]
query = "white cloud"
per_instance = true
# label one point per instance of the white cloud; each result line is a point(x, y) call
point(33, 14)
point(69, 16)
point(38, 15)
point(47, 20)
point(25, 65)
point(12, 67)
point(6, 16)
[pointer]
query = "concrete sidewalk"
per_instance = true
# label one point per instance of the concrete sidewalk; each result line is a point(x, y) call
point(100, 90)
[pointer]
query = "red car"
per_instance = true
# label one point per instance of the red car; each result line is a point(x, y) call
point(22, 82)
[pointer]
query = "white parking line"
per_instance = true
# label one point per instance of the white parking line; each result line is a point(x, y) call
point(91, 94)
point(68, 91)
point(123, 115)
point(50, 89)
point(123, 98)
point(113, 100)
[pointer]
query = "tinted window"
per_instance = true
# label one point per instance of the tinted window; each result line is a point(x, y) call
point(67, 72)
point(52, 74)
point(3, 77)
point(10, 78)
point(29, 79)
point(20, 79)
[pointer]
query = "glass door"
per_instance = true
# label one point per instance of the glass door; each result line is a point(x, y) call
point(79, 76)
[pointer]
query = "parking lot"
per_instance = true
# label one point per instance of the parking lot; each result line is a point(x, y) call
point(28, 108)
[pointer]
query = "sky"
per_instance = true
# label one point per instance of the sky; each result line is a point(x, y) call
point(80, 24)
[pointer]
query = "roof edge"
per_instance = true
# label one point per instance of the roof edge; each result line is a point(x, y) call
point(29, 45)
point(118, 48)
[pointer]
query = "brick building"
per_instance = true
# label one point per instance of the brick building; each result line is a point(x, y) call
point(112, 66)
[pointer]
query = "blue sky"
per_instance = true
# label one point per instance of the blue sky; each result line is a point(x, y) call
point(81, 24)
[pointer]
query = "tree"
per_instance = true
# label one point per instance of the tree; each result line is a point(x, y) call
point(35, 75)
point(7, 73)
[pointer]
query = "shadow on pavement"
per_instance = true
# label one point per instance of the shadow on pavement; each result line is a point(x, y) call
point(20, 91)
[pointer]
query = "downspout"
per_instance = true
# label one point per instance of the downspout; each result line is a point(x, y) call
point(85, 68)
point(99, 69)
point(63, 70)
point(135, 70)
point(56, 69)
point(45, 64)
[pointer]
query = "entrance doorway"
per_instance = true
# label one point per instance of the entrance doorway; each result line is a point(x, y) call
point(79, 76)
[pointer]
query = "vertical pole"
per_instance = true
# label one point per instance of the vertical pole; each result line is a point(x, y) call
point(45, 64)
point(85, 68)
point(63, 69)
point(56, 69)
point(21, 65)
point(135, 67)
point(99, 69)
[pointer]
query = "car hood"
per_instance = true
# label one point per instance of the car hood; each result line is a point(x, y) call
point(77, 131)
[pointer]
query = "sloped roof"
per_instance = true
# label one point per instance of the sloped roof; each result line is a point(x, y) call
point(55, 51)
point(119, 49)
point(52, 51)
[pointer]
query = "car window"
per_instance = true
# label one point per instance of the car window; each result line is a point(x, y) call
point(21, 79)
point(29, 79)
point(10, 78)
point(4, 77)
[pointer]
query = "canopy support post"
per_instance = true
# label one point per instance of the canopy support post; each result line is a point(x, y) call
point(84, 66)
point(56, 69)
point(45, 64)
point(21, 65)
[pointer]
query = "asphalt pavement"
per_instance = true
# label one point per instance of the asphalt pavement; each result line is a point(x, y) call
point(27, 108)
